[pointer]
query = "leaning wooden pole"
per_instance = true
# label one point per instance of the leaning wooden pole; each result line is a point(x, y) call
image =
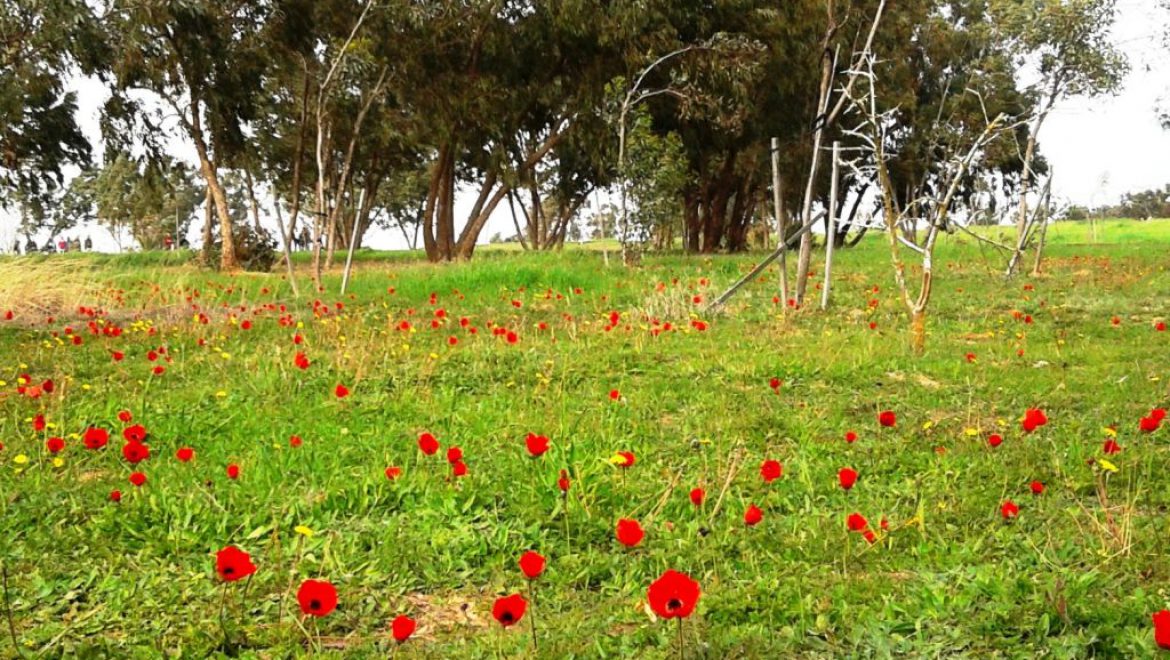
point(353, 240)
point(755, 272)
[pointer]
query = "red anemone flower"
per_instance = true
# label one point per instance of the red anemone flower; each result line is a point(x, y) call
point(1009, 510)
point(233, 471)
point(1037, 488)
point(995, 439)
point(508, 610)
point(393, 472)
point(629, 532)
point(1162, 629)
point(1034, 418)
point(317, 597)
point(428, 444)
point(341, 391)
point(753, 515)
point(563, 482)
point(850, 437)
point(847, 477)
point(887, 418)
point(697, 496)
point(673, 595)
point(532, 563)
point(135, 452)
point(856, 522)
point(185, 454)
point(536, 444)
point(771, 470)
point(96, 438)
point(233, 564)
point(402, 628)
point(137, 478)
point(454, 455)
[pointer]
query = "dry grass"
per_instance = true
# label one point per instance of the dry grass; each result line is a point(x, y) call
point(32, 289)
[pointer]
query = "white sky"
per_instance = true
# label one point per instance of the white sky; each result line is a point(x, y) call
point(1098, 148)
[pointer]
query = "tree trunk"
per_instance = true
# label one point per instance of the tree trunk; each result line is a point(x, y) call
point(208, 222)
point(227, 258)
point(252, 198)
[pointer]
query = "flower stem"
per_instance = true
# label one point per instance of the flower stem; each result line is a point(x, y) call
point(532, 616)
point(680, 638)
point(8, 609)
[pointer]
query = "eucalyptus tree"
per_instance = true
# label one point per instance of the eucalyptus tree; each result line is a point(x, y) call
point(1068, 47)
point(203, 61)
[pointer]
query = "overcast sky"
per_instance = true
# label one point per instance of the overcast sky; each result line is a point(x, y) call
point(1098, 148)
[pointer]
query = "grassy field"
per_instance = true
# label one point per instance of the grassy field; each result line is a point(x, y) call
point(1077, 573)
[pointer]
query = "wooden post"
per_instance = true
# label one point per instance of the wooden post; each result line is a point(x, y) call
point(778, 209)
point(831, 231)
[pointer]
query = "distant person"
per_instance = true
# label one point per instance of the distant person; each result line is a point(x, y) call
point(75, 245)
point(30, 247)
point(184, 244)
point(62, 246)
point(168, 243)
point(16, 247)
point(303, 241)
point(88, 244)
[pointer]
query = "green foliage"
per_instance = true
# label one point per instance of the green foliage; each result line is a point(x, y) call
point(41, 43)
point(656, 169)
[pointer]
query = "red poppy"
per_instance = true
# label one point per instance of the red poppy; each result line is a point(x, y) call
point(1034, 418)
point(341, 391)
point(1009, 510)
point(118, 356)
point(775, 383)
point(970, 357)
point(233, 564)
point(1158, 414)
point(454, 455)
point(295, 441)
point(995, 439)
point(158, 371)
point(887, 418)
point(95, 438)
point(869, 536)
point(402, 627)
point(1160, 326)
point(137, 478)
point(847, 477)
point(771, 470)
point(301, 360)
point(627, 459)
point(673, 595)
point(135, 452)
point(428, 444)
point(850, 437)
point(856, 522)
point(317, 597)
point(124, 416)
point(1149, 424)
point(563, 481)
point(1162, 629)
point(1111, 447)
point(459, 469)
point(55, 445)
point(393, 472)
point(614, 395)
point(509, 609)
point(136, 433)
point(115, 496)
point(532, 564)
point(629, 532)
point(697, 496)
point(39, 423)
point(753, 515)
point(1037, 488)
point(536, 444)
point(233, 471)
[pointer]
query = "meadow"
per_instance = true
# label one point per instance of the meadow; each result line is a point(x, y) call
point(303, 417)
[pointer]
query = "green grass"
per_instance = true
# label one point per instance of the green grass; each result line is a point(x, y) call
point(1072, 576)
